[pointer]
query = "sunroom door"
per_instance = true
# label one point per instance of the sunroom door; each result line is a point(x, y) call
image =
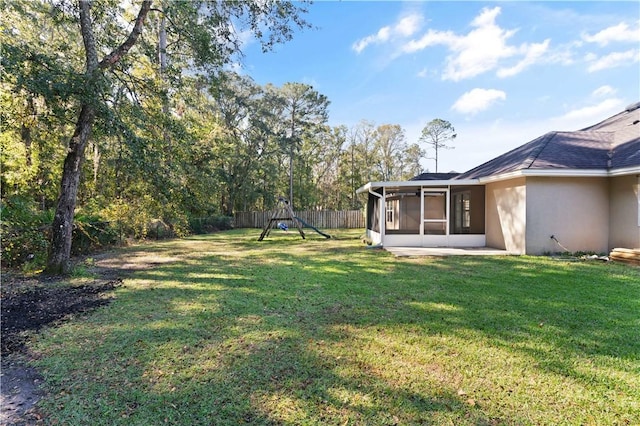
point(435, 217)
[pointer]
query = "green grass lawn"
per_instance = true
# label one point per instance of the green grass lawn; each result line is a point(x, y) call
point(228, 330)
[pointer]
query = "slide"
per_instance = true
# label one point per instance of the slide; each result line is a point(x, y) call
point(312, 227)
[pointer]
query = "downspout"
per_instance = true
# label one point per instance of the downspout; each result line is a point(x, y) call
point(380, 217)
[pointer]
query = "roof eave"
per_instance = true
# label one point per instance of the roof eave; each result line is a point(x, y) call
point(409, 183)
point(622, 171)
point(364, 188)
point(561, 173)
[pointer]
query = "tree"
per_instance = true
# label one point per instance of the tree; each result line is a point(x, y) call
point(246, 116)
point(357, 160)
point(374, 153)
point(318, 168)
point(436, 134)
point(206, 34)
point(34, 105)
point(363, 138)
point(62, 226)
point(304, 111)
point(411, 161)
point(390, 145)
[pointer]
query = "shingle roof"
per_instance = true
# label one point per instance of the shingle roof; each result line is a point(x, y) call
point(435, 176)
point(611, 144)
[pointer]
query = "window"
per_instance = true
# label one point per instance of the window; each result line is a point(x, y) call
point(461, 212)
point(389, 211)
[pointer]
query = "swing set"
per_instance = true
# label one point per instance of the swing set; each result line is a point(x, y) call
point(284, 212)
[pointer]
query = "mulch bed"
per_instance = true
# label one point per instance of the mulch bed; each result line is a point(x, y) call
point(29, 310)
point(26, 305)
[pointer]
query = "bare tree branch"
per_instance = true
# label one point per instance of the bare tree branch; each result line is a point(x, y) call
point(122, 50)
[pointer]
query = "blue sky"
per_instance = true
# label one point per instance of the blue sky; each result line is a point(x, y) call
point(503, 73)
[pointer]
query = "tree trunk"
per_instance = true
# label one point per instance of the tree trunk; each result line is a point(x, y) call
point(59, 258)
point(162, 59)
point(25, 130)
point(62, 226)
point(58, 261)
point(291, 177)
point(291, 150)
point(25, 135)
point(96, 165)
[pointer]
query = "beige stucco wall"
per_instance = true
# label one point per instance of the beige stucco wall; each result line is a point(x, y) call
point(574, 210)
point(624, 217)
point(506, 215)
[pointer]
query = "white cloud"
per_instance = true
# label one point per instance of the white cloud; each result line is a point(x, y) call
point(612, 60)
point(486, 18)
point(579, 118)
point(408, 25)
point(563, 54)
point(381, 36)
point(602, 91)
point(478, 100)
point(590, 57)
point(533, 52)
point(424, 72)
point(404, 27)
point(480, 50)
point(616, 33)
point(245, 38)
point(431, 38)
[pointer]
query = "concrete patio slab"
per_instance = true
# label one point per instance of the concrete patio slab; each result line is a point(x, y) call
point(446, 251)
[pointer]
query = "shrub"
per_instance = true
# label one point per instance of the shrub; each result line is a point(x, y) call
point(206, 225)
point(91, 236)
point(24, 232)
point(23, 246)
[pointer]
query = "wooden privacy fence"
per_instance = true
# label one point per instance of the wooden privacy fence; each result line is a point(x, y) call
point(326, 219)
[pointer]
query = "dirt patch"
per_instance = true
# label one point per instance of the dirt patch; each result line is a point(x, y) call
point(20, 387)
point(26, 305)
point(29, 303)
point(30, 309)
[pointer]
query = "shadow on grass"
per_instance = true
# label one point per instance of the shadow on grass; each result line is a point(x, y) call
point(255, 333)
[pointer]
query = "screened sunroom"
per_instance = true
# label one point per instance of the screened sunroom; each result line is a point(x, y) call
point(430, 213)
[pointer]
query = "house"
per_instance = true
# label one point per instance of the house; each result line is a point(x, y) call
point(564, 191)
